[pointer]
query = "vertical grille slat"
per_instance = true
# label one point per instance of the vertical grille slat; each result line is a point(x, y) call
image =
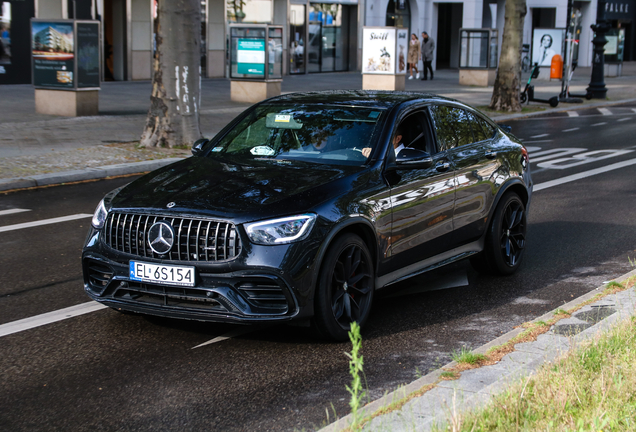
point(194, 238)
point(207, 237)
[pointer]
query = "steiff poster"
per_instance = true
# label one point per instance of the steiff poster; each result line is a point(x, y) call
point(378, 50)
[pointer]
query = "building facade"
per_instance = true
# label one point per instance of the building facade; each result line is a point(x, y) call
point(320, 35)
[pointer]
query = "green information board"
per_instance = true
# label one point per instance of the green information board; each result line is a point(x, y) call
point(251, 56)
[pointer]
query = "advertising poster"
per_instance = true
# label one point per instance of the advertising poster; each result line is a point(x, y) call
point(402, 50)
point(53, 59)
point(546, 43)
point(88, 55)
point(378, 50)
point(250, 57)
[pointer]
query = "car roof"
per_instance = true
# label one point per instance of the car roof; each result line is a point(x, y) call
point(367, 98)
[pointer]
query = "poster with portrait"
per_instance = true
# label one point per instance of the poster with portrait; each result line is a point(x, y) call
point(402, 50)
point(378, 50)
point(546, 43)
point(53, 53)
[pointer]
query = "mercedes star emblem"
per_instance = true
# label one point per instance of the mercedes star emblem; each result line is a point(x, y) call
point(161, 237)
point(171, 204)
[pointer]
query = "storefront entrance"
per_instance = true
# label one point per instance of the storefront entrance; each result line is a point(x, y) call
point(15, 41)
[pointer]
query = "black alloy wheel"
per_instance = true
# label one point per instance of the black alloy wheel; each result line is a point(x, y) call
point(506, 238)
point(345, 288)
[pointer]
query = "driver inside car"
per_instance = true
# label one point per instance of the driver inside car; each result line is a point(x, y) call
point(398, 145)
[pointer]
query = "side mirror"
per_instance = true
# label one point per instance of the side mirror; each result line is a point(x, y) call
point(197, 147)
point(409, 158)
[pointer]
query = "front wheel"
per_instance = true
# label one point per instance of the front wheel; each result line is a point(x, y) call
point(345, 288)
point(506, 238)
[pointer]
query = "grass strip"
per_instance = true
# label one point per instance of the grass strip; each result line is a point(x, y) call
point(590, 389)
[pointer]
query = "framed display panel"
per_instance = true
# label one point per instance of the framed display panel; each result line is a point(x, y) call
point(546, 43)
point(478, 48)
point(65, 54)
point(256, 52)
point(384, 50)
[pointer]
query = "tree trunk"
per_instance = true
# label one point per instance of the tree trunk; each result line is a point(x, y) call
point(505, 95)
point(173, 117)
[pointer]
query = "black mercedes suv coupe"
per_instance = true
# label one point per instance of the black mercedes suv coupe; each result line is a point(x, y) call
point(306, 204)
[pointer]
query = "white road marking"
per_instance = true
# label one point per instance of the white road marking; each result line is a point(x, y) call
point(634, 109)
point(571, 130)
point(604, 111)
point(12, 211)
point(536, 141)
point(540, 136)
point(532, 149)
point(582, 159)
point(554, 153)
point(625, 118)
point(573, 113)
point(49, 317)
point(45, 222)
point(585, 174)
point(599, 124)
point(229, 335)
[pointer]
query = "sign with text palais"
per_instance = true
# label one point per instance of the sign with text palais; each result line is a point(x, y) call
point(65, 54)
point(384, 50)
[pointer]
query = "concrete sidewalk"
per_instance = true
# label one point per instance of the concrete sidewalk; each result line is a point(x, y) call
point(38, 149)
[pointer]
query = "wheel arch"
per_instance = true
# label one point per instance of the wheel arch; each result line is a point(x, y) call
point(358, 225)
point(515, 185)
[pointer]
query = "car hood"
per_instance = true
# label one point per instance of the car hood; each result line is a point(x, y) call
point(227, 189)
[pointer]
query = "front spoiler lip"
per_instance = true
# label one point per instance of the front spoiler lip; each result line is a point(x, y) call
point(188, 314)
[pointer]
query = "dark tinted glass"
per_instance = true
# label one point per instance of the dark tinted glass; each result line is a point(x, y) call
point(487, 128)
point(452, 126)
point(478, 131)
point(329, 135)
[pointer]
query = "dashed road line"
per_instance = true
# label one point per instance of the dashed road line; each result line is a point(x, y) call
point(49, 317)
point(539, 136)
point(624, 119)
point(573, 113)
point(634, 109)
point(599, 124)
point(45, 222)
point(604, 111)
point(571, 130)
point(13, 211)
point(229, 335)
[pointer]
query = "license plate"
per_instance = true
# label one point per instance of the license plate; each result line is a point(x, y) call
point(162, 274)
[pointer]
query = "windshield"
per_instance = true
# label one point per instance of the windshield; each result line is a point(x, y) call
point(320, 134)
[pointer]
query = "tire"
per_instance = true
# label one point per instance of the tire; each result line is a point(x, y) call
point(506, 238)
point(523, 97)
point(345, 288)
point(554, 101)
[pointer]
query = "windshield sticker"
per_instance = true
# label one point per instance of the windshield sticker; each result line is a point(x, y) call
point(282, 118)
point(374, 114)
point(262, 151)
point(217, 149)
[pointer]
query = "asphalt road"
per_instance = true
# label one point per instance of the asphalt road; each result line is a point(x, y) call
point(108, 371)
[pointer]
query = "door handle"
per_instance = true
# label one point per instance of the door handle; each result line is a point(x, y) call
point(442, 166)
point(491, 155)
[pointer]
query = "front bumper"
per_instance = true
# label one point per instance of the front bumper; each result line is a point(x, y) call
point(253, 288)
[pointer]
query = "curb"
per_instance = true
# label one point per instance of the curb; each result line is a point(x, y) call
point(84, 174)
point(487, 389)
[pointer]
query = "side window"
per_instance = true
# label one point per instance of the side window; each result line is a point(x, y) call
point(415, 133)
point(487, 127)
point(452, 126)
point(478, 131)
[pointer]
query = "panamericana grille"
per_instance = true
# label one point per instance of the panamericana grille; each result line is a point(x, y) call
point(195, 239)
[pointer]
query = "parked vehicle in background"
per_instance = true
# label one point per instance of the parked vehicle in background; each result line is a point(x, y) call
point(303, 207)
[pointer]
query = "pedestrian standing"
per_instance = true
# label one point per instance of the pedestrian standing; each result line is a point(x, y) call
point(414, 55)
point(428, 50)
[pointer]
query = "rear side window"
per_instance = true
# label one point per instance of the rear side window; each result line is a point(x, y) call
point(452, 126)
point(488, 129)
point(478, 130)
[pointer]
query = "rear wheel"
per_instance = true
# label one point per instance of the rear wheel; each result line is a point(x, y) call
point(345, 288)
point(506, 238)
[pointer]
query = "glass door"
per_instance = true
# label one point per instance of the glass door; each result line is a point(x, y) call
point(297, 30)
